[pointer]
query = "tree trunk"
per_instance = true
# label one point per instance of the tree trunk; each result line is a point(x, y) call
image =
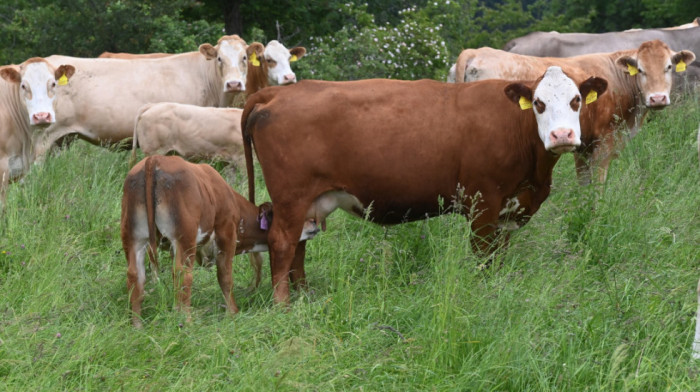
point(233, 23)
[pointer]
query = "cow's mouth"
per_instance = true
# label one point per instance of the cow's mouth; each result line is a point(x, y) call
point(562, 149)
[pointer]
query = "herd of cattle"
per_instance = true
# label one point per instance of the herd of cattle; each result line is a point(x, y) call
point(387, 150)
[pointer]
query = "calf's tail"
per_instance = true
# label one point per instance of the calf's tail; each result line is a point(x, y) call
point(150, 178)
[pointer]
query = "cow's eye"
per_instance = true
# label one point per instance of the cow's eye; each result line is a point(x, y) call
point(668, 67)
point(22, 86)
point(540, 106)
point(53, 84)
point(218, 59)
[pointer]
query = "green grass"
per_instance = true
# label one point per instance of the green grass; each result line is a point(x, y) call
point(596, 293)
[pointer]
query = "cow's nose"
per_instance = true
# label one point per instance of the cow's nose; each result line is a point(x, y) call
point(234, 85)
point(41, 118)
point(562, 140)
point(658, 100)
point(290, 78)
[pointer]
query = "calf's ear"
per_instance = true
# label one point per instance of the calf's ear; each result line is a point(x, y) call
point(265, 215)
point(520, 94)
point(297, 53)
point(627, 64)
point(592, 88)
point(11, 74)
point(208, 51)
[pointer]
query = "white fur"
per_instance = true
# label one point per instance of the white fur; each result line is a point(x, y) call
point(38, 90)
point(557, 90)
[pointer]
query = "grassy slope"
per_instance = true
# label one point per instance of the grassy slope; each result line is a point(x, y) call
point(597, 292)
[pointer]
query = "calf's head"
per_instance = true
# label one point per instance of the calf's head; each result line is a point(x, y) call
point(278, 59)
point(38, 80)
point(556, 102)
point(232, 55)
point(309, 231)
point(652, 65)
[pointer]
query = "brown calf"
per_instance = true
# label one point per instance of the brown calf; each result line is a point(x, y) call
point(189, 204)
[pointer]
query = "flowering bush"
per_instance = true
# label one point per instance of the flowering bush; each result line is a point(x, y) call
point(413, 49)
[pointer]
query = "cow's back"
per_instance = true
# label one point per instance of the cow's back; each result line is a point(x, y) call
point(376, 136)
point(104, 95)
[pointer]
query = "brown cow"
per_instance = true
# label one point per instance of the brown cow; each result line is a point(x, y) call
point(189, 204)
point(390, 150)
point(638, 80)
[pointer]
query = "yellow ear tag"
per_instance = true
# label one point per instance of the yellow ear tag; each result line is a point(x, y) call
point(591, 97)
point(63, 80)
point(293, 58)
point(633, 70)
point(525, 103)
point(254, 59)
point(680, 67)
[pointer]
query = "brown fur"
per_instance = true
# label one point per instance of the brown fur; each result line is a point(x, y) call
point(398, 147)
point(193, 197)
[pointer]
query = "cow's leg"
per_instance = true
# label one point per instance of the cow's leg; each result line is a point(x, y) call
point(297, 276)
point(696, 341)
point(603, 154)
point(226, 243)
point(185, 254)
point(583, 167)
point(256, 264)
point(283, 239)
point(135, 278)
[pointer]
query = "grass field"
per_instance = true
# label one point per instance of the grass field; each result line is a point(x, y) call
point(596, 293)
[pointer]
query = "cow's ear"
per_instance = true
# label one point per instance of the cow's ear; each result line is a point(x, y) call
point(592, 88)
point(520, 94)
point(64, 71)
point(627, 64)
point(682, 59)
point(297, 53)
point(11, 74)
point(255, 52)
point(208, 51)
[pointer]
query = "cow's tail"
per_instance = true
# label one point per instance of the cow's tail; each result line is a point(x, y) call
point(134, 140)
point(150, 179)
point(248, 119)
point(463, 61)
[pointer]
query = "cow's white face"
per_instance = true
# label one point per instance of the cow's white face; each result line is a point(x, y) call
point(652, 66)
point(556, 102)
point(231, 56)
point(37, 81)
point(278, 60)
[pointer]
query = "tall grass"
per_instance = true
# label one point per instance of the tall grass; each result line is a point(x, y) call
point(597, 292)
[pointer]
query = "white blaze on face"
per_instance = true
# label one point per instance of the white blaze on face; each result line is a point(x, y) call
point(655, 78)
point(233, 62)
point(279, 69)
point(38, 89)
point(557, 121)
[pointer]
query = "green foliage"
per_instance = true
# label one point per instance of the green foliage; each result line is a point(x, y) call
point(413, 49)
point(86, 28)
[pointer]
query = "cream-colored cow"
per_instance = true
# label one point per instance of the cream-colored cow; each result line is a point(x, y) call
point(27, 99)
point(104, 96)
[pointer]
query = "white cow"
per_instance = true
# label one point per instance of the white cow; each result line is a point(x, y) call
point(104, 96)
point(27, 99)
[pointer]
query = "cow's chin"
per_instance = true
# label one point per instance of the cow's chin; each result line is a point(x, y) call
point(657, 107)
point(563, 149)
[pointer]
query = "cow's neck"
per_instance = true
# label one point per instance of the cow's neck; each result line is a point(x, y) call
point(16, 124)
point(629, 100)
point(214, 87)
